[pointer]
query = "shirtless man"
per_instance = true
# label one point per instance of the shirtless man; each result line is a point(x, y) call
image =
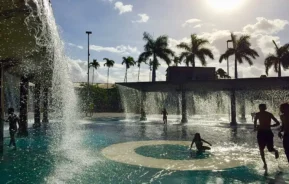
point(284, 109)
point(265, 134)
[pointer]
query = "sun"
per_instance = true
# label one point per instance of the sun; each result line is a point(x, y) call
point(225, 5)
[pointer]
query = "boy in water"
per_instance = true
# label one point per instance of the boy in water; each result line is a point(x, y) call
point(199, 143)
point(265, 134)
point(165, 114)
point(284, 109)
point(13, 120)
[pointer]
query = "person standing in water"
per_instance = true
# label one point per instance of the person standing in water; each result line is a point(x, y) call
point(265, 134)
point(253, 116)
point(13, 120)
point(284, 109)
point(165, 114)
point(199, 143)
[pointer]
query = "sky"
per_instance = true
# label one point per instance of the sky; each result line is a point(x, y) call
point(117, 30)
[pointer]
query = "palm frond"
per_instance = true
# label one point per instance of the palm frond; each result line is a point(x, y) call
point(227, 54)
point(143, 57)
point(168, 52)
point(200, 42)
point(165, 57)
point(184, 46)
point(183, 57)
point(147, 37)
point(202, 59)
point(248, 59)
point(206, 52)
point(270, 61)
point(162, 42)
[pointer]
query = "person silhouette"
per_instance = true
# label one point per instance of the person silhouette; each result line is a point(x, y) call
point(284, 109)
point(165, 114)
point(199, 143)
point(264, 132)
point(13, 120)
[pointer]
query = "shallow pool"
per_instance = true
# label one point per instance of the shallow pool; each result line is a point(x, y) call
point(162, 154)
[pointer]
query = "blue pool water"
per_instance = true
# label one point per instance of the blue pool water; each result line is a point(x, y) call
point(173, 152)
point(75, 157)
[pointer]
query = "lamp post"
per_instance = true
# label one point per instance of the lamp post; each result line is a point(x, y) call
point(88, 54)
point(228, 73)
point(228, 70)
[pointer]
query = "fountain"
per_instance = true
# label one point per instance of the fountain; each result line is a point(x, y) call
point(38, 57)
point(115, 151)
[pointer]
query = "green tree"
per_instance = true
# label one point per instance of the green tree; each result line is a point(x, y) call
point(222, 74)
point(280, 58)
point(241, 50)
point(177, 61)
point(128, 61)
point(156, 49)
point(109, 63)
point(95, 65)
point(195, 49)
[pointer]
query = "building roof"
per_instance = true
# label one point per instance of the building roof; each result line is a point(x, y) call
point(100, 85)
point(272, 83)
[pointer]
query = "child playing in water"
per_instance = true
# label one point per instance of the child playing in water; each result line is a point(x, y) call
point(199, 143)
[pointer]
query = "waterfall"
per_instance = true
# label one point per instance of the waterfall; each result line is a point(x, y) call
point(11, 91)
point(67, 135)
point(130, 101)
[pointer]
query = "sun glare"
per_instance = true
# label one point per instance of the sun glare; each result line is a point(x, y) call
point(225, 5)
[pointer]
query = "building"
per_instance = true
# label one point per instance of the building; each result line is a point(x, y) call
point(184, 74)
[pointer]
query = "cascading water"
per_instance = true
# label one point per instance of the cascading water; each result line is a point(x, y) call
point(215, 106)
point(68, 138)
point(11, 91)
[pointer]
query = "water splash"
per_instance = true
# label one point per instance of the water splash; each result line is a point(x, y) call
point(70, 155)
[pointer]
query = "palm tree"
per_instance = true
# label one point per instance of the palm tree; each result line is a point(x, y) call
point(222, 74)
point(109, 63)
point(280, 58)
point(139, 62)
point(195, 49)
point(241, 50)
point(156, 49)
point(177, 61)
point(128, 61)
point(95, 65)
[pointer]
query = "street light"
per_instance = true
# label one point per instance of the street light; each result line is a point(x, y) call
point(228, 70)
point(88, 54)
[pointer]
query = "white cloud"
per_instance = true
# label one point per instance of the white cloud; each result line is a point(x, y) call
point(143, 18)
point(78, 72)
point(262, 34)
point(73, 45)
point(261, 41)
point(198, 26)
point(122, 8)
point(121, 49)
point(265, 26)
point(190, 22)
